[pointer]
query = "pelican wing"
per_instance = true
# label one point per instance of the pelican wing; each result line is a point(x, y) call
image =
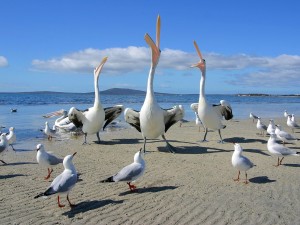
point(133, 118)
point(173, 115)
point(75, 116)
point(224, 110)
point(112, 113)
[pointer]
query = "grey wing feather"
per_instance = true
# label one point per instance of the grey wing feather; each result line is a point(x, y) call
point(173, 115)
point(64, 182)
point(129, 173)
point(133, 118)
point(53, 160)
point(112, 113)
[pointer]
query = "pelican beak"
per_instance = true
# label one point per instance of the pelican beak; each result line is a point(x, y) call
point(55, 113)
point(99, 67)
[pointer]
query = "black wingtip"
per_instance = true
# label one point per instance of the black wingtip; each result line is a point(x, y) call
point(110, 179)
point(39, 195)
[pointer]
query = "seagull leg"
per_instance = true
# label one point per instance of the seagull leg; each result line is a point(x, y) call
point(3, 162)
point(277, 163)
point(71, 205)
point(145, 140)
point(246, 181)
point(281, 161)
point(131, 186)
point(49, 174)
point(59, 205)
point(169, 146)
point(221, 140)
point(238, 178)
point(204, 138)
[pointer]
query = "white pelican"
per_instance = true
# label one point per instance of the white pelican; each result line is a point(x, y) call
point(131, 172)
point(64, 182)
point(92, 119)
point(62, 123)
point(279, 150)
point(153, 121)
point(46, 159)
point(240, 162)
point(210, 115)
point(11, 137)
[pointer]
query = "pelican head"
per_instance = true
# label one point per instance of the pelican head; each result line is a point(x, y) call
point(201, 64)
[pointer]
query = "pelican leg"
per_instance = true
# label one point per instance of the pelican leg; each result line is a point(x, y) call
point(71, 205)
point(204, 138)
point(238, 178)
point(145, 140)
point(169, 146)
point(3, 162)
point(98, 137)
point(12, 147)
point(84, 143)
point(221, 140)
point(58, 202)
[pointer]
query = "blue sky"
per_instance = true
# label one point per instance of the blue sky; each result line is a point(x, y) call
point(249, 46)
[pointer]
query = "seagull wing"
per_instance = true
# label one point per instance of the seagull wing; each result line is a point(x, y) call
point(130, 172)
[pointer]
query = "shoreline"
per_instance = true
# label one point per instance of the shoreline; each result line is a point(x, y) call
point(193, 186)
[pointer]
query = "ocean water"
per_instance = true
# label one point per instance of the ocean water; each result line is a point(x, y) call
point(30, 107)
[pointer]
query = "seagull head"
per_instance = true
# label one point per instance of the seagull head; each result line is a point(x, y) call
point(237, 147)
point(40, 147)
point(138, 156)
point(68, 164)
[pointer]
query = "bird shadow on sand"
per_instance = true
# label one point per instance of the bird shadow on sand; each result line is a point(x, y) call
point(261, 180)
point(241, 140)
point(148, 189)
point(256, 151)
point(121, 141)
point(11, 176)
point(20, 163)
point(86, 206)
point(291, 165)
point(192, 150)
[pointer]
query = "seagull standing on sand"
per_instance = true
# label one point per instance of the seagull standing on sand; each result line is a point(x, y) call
point(153, 121)
point(260, 126)
point(64, 182)
point(285, 114)
point(271, 127)
point(49, 132)
point(3, 144)
point(210, 115)
point(240, 162)
point(293, 118)
point(254, 117)
point(279, 150)
point(284, 136)
point(11, 137)
point(46, 159)
point(91, 120)
point(292, 124)
point(131, 172)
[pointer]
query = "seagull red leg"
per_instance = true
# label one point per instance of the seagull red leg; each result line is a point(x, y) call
point(58, 202)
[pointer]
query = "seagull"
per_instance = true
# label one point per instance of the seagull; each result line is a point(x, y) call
point(46, 159)
point(293, 118)
point(64, 182)
point(49, 132)
point(240, 162)
point(260, 126)
point(153, 121)
point(131, 172)
point(11, 137)
point(3, 144)
point(284, 136)
point(271, 127)
point(210, 115)
point(198, 121)
point(292, 124)
point(285, 114)
point(279, 150)
point(254, 117)
point(91, 120)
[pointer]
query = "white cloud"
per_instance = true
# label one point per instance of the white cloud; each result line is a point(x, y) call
point(3, 61)
point(281, 70)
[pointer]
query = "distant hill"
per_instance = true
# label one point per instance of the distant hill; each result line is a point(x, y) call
point(122, 91)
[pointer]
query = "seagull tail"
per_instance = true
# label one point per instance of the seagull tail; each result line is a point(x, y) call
point(110, 179)
point(40, 195)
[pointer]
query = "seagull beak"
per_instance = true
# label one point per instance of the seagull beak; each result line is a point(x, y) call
point(74, 154)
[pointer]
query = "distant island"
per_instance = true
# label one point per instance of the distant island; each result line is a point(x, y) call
point(266, 95)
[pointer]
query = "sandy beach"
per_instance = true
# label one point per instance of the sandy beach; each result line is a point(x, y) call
point(193, 186)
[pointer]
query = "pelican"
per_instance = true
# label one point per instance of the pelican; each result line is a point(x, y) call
point(153, 121)
point(62, 123)
point(210, 115)
point(92, 119)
